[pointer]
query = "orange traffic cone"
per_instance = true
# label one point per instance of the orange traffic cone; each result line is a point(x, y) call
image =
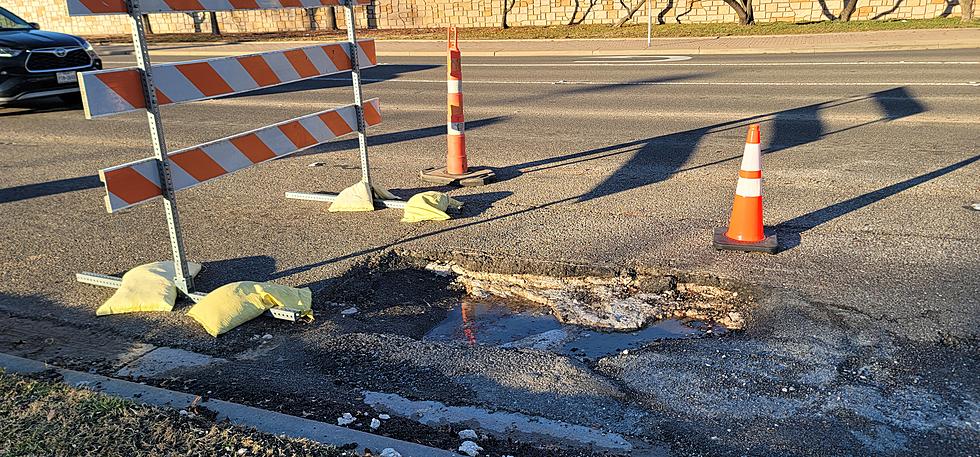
point(456, 170)
point(745, 231)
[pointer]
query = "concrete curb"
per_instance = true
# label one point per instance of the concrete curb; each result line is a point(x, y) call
point(263, 420)
point(191, 52)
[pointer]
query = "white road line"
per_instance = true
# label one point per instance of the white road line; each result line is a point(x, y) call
point(587, 63)
point(671, 63)
point(637, 58)
point(674, 83)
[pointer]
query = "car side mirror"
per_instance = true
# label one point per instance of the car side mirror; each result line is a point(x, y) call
point(34, 25)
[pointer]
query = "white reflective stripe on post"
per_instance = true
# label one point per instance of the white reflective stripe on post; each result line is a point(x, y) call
point(749, 187)
point(137, 182)
point(752, 157)
point(97, 7)
point(454, 86)
point(456, 128)
point(108, 92)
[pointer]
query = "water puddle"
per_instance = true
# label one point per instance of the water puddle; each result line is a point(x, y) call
point(510, 323)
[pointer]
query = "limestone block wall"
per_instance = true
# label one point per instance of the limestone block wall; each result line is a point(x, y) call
point(400, 14)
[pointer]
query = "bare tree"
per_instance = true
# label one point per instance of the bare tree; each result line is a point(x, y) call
point(507, 6)
point(332, 18)
point(663, 12)
point(197, 19)
point(847, 10)
point(743, 8)
point(630, 11)
point(572, 20)
point(311, 17)
point(214, 24)
point(966, 10)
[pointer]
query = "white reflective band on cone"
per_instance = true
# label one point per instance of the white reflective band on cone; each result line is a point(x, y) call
point(454, 86)
point(752, 157)
point(749, 187)
point(456, 128)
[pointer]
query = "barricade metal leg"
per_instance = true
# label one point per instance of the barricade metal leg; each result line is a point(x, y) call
point(355, 69)
point(361, 125)
point(183, 279)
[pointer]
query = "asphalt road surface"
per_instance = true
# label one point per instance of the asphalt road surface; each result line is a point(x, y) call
point(863, 341)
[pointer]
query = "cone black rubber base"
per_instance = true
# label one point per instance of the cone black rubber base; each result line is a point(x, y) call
point(724, 243)
point(476, 177)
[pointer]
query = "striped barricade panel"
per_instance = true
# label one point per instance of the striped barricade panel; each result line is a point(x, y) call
point(94, 7)
point(137, 182)
point(108, 92)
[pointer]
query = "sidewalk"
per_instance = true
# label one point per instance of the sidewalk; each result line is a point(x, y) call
point(898, 40)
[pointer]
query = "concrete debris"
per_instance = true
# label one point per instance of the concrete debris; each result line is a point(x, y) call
point(470, 448)
point(610, 303)
point(389, 452)
point(346, 419)
point(439, 269)
point(349, 311)
point(467, 434)
point(267, 337)
point(512, 425)
point(375, 424)
point(384, 417)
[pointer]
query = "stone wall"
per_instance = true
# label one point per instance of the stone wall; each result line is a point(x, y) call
point(394, 14)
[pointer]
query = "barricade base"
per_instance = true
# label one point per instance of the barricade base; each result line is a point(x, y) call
point(723, 243)
point(475, 177)
point(328, 197)
point(114, 282)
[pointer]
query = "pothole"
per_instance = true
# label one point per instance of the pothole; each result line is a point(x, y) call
point(615, 303)
point(581, 316)
point(578, 310)
point(513, 323)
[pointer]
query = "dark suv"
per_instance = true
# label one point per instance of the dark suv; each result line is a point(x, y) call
point(35, 64)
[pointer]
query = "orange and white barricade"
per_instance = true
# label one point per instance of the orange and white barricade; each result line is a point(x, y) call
point(146, 87)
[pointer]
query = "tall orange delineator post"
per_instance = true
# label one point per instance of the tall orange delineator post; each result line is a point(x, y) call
point(456, 171)
point(745, 231)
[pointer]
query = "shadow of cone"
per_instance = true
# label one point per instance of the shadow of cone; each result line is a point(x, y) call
point(745, 231)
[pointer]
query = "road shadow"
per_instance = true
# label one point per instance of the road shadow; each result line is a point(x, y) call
point(396, 137)
point(789, 231)
point(377, 74)
point(29, 191)
point(656, 159)
point(473, 205)
point(51, 104)
point(217, 273)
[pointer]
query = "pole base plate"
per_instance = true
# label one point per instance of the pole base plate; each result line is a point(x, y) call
point(723, 243)
point(476, 177)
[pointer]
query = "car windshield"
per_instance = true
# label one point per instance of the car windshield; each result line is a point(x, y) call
point(10, 21)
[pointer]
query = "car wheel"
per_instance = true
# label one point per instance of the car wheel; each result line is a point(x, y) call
point(71, 99)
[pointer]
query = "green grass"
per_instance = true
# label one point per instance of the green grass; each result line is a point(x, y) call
point(585, 31)
point(45, 417)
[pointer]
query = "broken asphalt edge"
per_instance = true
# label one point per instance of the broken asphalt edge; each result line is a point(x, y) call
point(260, 419)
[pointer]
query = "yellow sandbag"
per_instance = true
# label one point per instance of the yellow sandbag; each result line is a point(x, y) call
point(359, 197)
point(429, 206)
point(234, 304)
point(147, 287)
